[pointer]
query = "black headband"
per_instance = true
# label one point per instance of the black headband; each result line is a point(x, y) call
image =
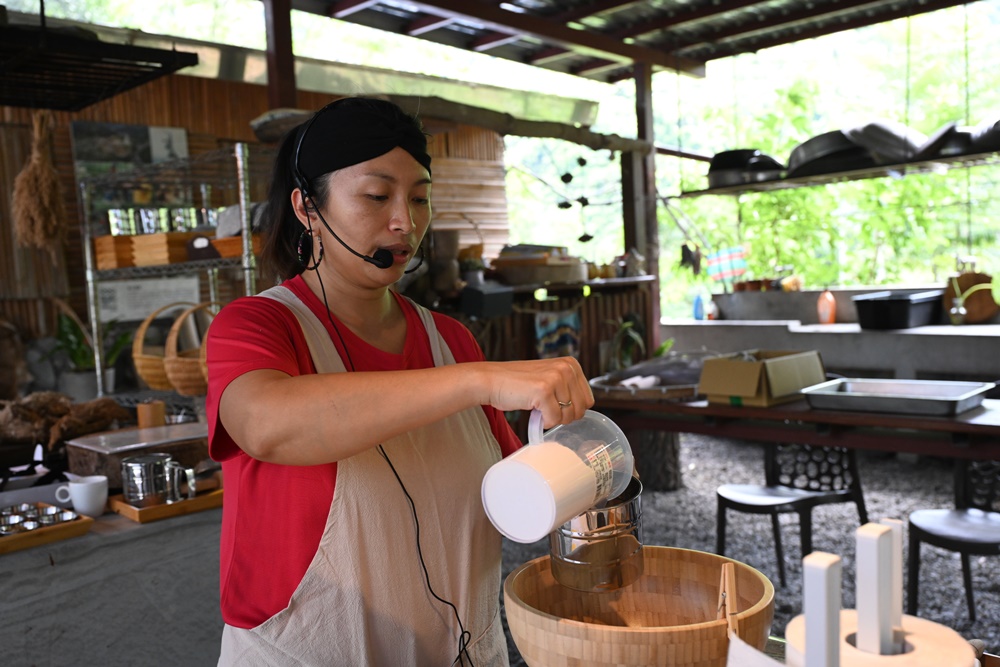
point(354, 130)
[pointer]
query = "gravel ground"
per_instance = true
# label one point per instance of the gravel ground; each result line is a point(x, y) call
point(893, 486)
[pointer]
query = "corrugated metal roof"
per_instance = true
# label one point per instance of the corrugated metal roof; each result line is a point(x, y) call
point(604, 39)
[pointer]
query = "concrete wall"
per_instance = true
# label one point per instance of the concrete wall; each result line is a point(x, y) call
point(788, 321)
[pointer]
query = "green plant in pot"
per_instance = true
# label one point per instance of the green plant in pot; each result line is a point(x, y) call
point(627, 345)
point(72, 339)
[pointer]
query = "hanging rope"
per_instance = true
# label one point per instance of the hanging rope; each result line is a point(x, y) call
point(680, 135)
point(968, 168)
point(906, 108)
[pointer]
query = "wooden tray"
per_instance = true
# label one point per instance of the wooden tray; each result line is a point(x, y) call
point(45, 534)
point(200, 503)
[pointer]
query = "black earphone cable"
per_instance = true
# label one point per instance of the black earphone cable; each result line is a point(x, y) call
point(464, 635)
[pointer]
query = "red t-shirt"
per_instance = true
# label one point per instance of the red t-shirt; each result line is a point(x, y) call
point(274, 515)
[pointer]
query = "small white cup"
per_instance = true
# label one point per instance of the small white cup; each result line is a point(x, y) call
point(89, 494)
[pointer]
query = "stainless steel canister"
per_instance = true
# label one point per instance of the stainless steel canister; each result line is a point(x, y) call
point(144, 479)
point(601, 549)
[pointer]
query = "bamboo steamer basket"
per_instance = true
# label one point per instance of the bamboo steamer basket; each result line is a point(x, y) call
point(669, 616)
point(183, 367)
point(148, 362)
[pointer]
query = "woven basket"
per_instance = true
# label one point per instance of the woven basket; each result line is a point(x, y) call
point(669, 616)
point(183, 367)
point(203, 359)
point(149, 363)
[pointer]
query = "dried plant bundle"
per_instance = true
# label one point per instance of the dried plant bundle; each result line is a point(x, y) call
point(39, 210)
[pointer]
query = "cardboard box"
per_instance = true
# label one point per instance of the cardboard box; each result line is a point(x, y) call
point(760, 378)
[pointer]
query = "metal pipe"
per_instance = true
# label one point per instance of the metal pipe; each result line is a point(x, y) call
point(249, 262)
point(93, 311)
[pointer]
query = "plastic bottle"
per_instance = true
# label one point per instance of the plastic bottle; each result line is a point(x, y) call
point(558, 475)
point(826, 307)
point(699, 307)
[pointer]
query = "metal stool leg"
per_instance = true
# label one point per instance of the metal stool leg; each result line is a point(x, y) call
point(967, 580)
point(806, 531)
point(912, 574)
point(720, 528)
point(777, 548)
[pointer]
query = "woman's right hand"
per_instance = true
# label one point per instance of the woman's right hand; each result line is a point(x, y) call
point(557, 387)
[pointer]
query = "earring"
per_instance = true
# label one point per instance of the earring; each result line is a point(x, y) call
point(304, 251)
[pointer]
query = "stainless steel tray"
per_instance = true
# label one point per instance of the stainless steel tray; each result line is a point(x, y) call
point(912, 397)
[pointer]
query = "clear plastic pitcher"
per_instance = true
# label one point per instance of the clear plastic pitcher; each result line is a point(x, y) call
point(558, 475)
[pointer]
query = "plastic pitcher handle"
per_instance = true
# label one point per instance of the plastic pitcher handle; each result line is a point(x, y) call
point(535, 427)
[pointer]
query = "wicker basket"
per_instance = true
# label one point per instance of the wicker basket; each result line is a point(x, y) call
point(183, 367)
point(148, 362)
point(203, 359)
point(669, 616)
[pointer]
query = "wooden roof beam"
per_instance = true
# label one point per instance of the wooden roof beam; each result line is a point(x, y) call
point(549, 56)
point(791, 19)
point(344, 8)
point(690, 16)
point(646, 28)
point(427, 23)
point(581, 41)
point(492, 41)
point(497, 39)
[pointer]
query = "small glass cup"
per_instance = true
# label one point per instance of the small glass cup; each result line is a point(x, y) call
point(11, 523)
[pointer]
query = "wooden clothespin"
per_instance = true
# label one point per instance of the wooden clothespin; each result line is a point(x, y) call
point(728, 598)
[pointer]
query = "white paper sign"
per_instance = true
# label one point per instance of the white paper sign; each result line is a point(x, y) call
point(134, 300)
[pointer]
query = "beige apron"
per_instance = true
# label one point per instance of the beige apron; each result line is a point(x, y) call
point(363, 599)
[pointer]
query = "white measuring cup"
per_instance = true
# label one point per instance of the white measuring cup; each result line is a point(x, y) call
point(558, 475)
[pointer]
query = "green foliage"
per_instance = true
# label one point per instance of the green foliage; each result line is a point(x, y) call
point(627, 345)
point(663, 347)
point(71, 339)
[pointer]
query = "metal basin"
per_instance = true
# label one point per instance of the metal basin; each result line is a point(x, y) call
point(915, 397)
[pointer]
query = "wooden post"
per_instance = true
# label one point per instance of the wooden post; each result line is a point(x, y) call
point(647, 236)
point(657, 458)
point(281, 90)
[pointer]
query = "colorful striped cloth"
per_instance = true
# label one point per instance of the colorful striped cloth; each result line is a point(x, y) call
point(726, 264)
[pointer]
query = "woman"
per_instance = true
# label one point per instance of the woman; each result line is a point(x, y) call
point(354, 427)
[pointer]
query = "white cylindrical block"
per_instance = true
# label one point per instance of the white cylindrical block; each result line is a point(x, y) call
point(821, 574)
point(896, 603)
point(873, 582)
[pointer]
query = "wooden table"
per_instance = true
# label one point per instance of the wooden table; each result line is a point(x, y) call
point(973, 434)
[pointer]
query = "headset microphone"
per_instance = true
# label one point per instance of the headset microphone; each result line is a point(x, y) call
point(381, 258)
